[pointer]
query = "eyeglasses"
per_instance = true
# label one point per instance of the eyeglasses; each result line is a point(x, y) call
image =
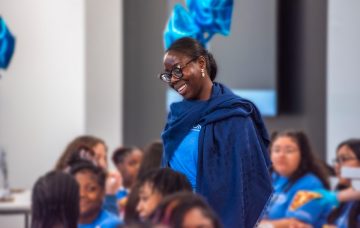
point(341, 160)
point(289, 150)
point(176, 72)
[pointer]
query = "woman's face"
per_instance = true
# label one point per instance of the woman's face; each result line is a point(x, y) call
point(148, 200)
point(192, 86)
point(285, 155)
point(100, 155)
point(195, 218)
point(345, 158)
point(91, 193)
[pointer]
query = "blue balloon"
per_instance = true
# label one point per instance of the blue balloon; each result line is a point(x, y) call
point(213, 16)
point(181, 24)
point(7, 45)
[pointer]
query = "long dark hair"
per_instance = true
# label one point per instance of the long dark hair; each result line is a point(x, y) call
point(55, 201)
point(354, 145)
point(193, 49)
point(309, 162)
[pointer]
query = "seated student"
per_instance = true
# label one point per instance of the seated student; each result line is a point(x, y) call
point(295, 168)
point(54, 201)
point(95, 144)
point(151, 160)
point(156, 185)
point(185, 209)
point(91, 180)
point(92, 149)
point(348, 213)
point(127, 160)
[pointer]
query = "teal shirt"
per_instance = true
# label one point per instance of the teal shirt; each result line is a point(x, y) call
point(105, 219)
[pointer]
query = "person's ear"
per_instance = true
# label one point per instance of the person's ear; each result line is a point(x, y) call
point(202, 62)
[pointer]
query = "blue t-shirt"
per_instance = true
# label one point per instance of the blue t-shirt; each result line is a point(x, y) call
point(185, 156)
point(279, 206)
point(105, 219)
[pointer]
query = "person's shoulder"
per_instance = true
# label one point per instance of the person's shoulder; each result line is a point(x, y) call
point(109, 220)
point(308, 181)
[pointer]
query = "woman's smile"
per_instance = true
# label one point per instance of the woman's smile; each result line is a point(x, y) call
point(181, 89)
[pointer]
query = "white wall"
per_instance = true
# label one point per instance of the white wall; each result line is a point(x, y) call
point(42, 93)
point(65, 79)
point(104, 70)
point(343, 71)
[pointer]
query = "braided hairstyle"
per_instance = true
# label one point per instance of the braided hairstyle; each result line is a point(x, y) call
point(55, 201)
point(165, 181)
point(173, 209)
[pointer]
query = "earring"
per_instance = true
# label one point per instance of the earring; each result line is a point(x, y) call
point(202, 73)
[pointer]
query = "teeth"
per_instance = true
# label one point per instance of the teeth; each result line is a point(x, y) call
point(182, 88)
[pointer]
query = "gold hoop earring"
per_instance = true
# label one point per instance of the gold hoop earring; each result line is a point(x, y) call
point(202, 73)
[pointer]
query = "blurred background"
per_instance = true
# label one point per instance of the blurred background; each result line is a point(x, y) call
point(90, 67)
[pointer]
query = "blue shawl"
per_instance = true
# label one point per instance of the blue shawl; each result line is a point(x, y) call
point(233, 161)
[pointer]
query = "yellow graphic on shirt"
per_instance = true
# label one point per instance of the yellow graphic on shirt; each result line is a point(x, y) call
point(303, 197)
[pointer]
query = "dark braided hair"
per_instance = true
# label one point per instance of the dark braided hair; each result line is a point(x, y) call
point(173, 209)
point(165, 181)
point(193, 49)
point(86, 165)
point(55, 201)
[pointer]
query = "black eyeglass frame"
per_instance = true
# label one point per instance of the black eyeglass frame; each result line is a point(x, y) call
point(341, 160)
point(166, 76)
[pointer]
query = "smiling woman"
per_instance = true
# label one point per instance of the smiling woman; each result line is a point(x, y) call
point(213, 133)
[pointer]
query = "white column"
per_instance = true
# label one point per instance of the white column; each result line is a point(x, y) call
point(343, 73)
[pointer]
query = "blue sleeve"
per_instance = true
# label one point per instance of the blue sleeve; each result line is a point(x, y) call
point(110, 204)
point(314, 211)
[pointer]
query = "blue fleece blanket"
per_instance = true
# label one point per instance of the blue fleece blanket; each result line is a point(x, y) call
point(233, 160)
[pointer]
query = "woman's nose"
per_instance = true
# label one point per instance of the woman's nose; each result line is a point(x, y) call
point(82, 193)
point(139, 207)
point(337, 167)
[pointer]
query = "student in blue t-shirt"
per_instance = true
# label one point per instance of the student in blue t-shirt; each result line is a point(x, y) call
point(295, 168)
point(91, 180)
point(348, 213)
